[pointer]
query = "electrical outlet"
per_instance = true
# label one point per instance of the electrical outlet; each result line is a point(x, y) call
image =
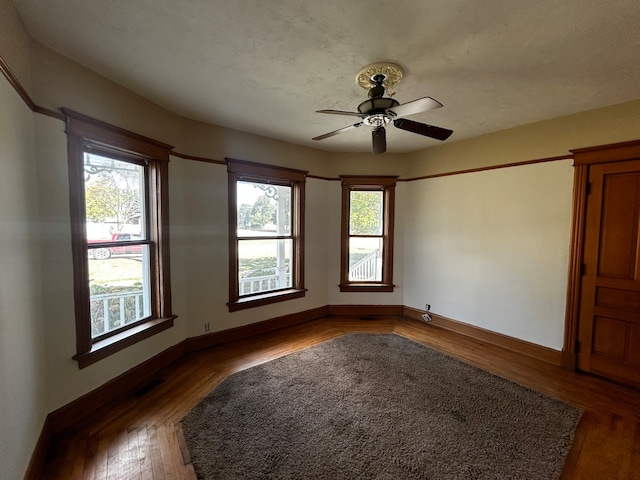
point(206, 327)
point(426, 317)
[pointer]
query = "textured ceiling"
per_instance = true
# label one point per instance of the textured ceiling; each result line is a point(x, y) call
point(265, 66)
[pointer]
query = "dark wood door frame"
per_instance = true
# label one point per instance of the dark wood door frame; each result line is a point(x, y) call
point(583, 158)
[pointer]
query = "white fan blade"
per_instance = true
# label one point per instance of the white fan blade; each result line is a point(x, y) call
point(342, 112)
point(413, 107)
point(336, 132)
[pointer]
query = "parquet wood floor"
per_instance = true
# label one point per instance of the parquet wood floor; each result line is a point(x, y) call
point(139, 437)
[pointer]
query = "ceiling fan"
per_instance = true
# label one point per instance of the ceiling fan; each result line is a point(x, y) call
point(379, 110)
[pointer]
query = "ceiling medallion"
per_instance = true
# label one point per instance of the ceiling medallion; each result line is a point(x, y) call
point(392, 73)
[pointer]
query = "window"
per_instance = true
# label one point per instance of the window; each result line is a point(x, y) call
point(367, 234)
point(120, 236)
point(266, 234)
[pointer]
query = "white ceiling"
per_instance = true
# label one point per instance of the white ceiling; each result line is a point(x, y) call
point(265, 66)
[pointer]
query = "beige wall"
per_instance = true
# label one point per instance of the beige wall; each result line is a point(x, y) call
point(211, 141)
point(198, 212)
point(15, 43)
point(65, 381)
point(199, 244)
point(551, 138)
point(23, 404)
point(23, 388)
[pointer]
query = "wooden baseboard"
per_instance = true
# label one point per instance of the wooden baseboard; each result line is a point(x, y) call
point(245, 331)
point(135, 378)
point(569, 361)
point(539, 352)
point(365, 310)
point(124, 384)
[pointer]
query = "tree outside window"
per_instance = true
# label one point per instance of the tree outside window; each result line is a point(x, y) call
point(112, 191)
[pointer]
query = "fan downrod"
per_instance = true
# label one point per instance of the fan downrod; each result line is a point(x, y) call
point(377, 91)
point(376, 107)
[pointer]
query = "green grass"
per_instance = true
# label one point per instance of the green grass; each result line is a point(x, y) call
point(128, 270)
point(258, 266)
point(121, 271)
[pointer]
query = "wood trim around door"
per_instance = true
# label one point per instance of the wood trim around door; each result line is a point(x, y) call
point(613, 152)
point(576, 249)
point(583, 158)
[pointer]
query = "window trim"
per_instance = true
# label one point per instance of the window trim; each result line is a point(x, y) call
point(363, 183)
point(82, 132)
point(242, 170)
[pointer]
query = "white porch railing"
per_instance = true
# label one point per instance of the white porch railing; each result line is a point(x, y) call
point(111, 311)
point(264, 283)
point(366, 268)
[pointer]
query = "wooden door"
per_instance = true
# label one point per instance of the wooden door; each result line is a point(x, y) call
point(609, 321)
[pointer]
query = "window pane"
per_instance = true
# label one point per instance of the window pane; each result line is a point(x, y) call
point(263, 209)
point(119, 286)
point(365, 212)
point(264, 265)
point(114, 195)
point(365, 259)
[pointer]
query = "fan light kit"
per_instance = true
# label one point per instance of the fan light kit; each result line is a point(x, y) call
point(379, 110)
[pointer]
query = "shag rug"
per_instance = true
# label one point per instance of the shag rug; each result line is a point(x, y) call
point(367, 406)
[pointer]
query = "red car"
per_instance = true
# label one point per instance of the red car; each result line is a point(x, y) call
point(106, 252)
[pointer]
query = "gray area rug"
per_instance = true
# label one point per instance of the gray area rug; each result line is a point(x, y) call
point(365, 406)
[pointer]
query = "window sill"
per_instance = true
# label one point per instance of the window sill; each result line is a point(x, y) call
point(120, 341)
point(367, 287)
point(265, 299)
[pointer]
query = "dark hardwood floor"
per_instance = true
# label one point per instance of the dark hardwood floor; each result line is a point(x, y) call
point(139, 437)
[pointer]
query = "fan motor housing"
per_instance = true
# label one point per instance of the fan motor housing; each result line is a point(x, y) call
point(376, 111)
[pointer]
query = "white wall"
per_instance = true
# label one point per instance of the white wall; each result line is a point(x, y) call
point(23, 402)
point(491, 249)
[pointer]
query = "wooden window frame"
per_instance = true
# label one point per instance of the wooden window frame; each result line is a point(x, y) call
point(84, 134)
point(241, 170)
point(387, 185)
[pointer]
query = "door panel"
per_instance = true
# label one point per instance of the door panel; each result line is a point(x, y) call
point(623, 299)
point(610, 338)
point(619, 229)
point(609, 322)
